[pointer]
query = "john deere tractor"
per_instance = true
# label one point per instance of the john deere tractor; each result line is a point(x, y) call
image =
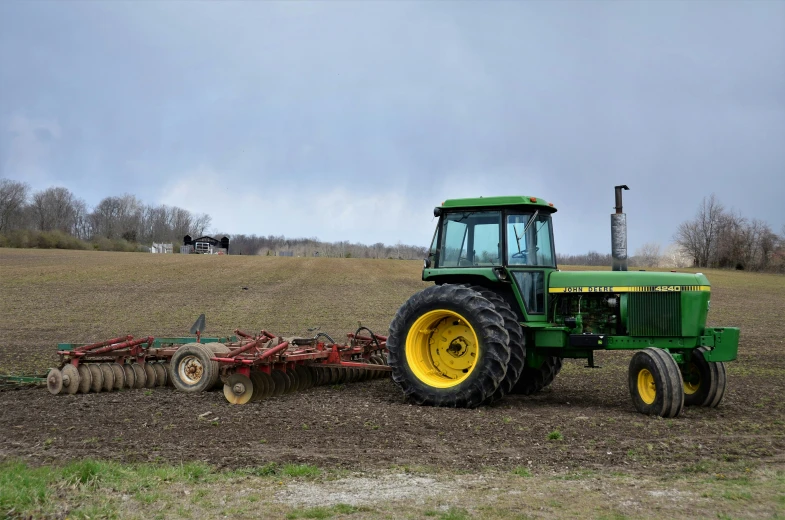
point(501, 316)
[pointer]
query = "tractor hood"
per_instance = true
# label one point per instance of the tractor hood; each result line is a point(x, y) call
point(625, 281)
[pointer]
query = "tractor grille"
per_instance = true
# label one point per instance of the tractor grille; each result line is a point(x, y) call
point(654, 314)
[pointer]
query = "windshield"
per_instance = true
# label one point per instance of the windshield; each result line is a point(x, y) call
point(529, 240)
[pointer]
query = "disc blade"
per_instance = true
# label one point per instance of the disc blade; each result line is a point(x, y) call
point(238, 389)
point(108, 375)
point(280, 381)
point(269, 385)
point(149, 371)
point(258, 386)
point(119, 375)
point(295, 378)
point(85, 379)
point(54, 381)
point(71, 377)
point(98, 378)
point(160, 374)
point(130, 376)
point(139, 376)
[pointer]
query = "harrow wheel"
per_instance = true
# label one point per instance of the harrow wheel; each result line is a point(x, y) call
point(160, 374)
point(704, 381)
point(140, 378)
point(71, 379)
point(216, 348)
point(119, 375)
point(85, 379)
point(98, 377)
point(448, 347)
point(191, 368)
point(108, 375)
point(238, 389)
point(130, 376)
point(54, 381)
point(655, 383)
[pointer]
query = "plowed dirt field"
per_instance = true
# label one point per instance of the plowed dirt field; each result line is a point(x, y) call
point(53, 296)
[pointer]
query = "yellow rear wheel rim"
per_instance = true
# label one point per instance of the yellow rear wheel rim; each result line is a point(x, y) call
point(692, 379)
point(646, 386)
point(442, 348)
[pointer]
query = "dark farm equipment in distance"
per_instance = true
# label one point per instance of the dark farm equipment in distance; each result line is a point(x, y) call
point(250, 367)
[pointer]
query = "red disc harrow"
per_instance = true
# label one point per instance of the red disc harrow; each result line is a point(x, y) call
point(249, 367)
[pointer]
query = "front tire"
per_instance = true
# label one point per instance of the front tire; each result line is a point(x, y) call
point(704, 381)
point(448, 347)
point(656, 385)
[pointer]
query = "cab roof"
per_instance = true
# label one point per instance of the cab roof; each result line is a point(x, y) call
point(484, 202)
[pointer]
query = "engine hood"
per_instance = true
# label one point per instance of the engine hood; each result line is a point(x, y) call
point(625, 281)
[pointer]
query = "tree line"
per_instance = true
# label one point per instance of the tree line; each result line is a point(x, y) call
point(721, 237)
point(275, 245)
point(55, 212)
point(716, 237)
point(54, 217)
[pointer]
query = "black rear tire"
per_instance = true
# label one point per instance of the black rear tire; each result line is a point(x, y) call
point(448, 311)
point(516, 342)
point(532, 380)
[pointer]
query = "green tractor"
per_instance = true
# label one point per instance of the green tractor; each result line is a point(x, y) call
point(501, 316)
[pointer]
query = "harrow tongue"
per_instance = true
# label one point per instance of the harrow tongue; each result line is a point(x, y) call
point(248, 367)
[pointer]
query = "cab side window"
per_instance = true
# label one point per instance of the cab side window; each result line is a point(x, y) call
point(471, 239)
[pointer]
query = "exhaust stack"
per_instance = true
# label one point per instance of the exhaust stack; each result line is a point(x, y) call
point(619, 233)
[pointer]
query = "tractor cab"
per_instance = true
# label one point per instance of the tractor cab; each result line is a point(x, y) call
point(496, 239)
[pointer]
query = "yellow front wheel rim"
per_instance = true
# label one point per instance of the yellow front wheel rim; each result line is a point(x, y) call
point(646, 386)
point(442, 348)
point(692, 380)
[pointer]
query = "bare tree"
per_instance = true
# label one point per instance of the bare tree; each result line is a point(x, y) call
point(118, 217)
point(81, 221)
point(699, 236)
point(13, 197)
point(54, 209)
point(647, 255)
point(201, 222)
point(675, 256)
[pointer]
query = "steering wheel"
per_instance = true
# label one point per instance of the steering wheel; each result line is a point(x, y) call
point(519, 254)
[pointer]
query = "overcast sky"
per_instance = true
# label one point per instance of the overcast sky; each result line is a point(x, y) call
point(351, 121)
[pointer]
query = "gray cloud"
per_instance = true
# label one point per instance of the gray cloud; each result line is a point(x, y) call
point(416, 102)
